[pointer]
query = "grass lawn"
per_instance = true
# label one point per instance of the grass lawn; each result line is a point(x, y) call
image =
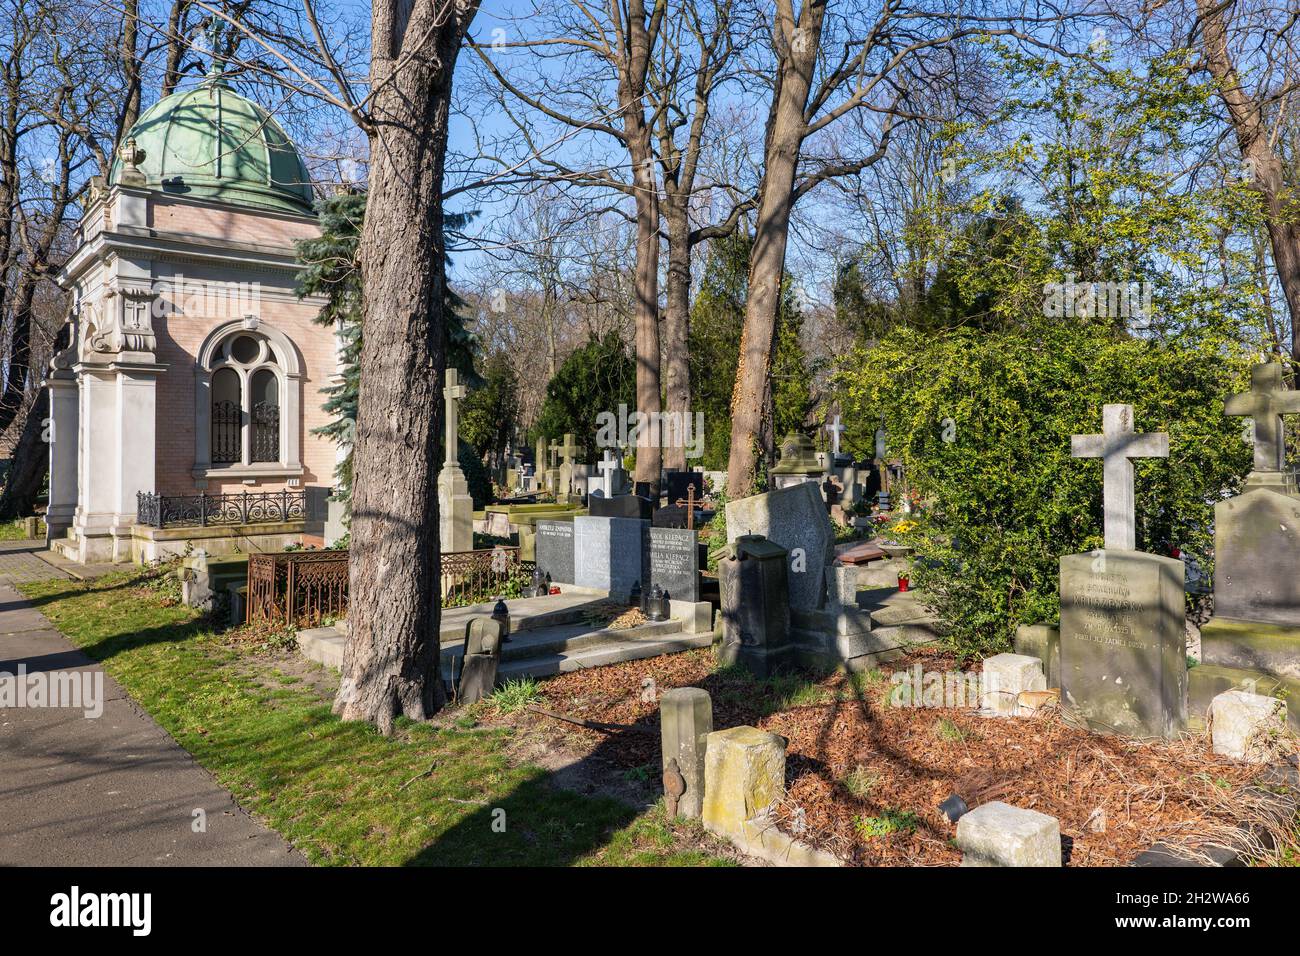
point(341, 793)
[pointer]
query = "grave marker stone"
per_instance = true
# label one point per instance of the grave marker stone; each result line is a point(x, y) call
point(455, 505)
point(1123, 656)
point(674, 562)
point(553, 549)
point(607, 553)
point(794, 518)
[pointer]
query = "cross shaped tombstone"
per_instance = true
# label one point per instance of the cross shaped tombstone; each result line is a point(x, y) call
point(569, 449)
point(452, 394)
point(1265, 404)
point(1117, 446)
point(608, 466)
point(836, 429)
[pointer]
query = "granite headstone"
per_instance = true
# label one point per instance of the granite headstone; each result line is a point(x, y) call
point(553, 550)
point(674, 562)
point(608, 553)
point(794, 518)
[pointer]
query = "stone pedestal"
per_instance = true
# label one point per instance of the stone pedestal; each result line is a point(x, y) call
point(455, 511)
point(744, 775)
point(754, 592)
point(685, 722)
point(1005, 677)
point(1123, 651)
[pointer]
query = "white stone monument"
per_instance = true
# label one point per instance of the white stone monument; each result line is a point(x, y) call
point(455, 505)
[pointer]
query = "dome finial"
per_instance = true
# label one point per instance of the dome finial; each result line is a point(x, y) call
point(218, 66)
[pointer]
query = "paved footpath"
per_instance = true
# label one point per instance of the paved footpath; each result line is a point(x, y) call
point(112, 790)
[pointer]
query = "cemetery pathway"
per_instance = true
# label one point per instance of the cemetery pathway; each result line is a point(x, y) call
point(109, 790)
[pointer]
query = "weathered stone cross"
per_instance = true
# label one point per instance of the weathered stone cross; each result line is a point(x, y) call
point(835, 428)
point(452, 394)
point(1117, 445)
point(569, 450)
point(1266, 402)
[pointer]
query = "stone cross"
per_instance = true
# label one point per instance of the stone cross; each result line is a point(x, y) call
point(835, 428)
point(453, 393)
point(569, 450)
point(608, 465)
point(1117, 445)
point(1266, 402)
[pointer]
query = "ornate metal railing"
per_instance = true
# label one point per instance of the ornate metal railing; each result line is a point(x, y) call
point(297, 587)
point(303, 587)
point(473, 577)
point(265, 507)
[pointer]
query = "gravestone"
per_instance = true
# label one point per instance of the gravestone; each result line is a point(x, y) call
point(481, 655)
point(612, 479)
point(674, 563)
point(455, 505)
point(755, 595)
point(553, 550)
point(566, 480)
point(621, 506)
point(679, 481)
point(1253, 640)
point(794, 518)
point(1123, 653)
point(685, 722)
point(607, 553)
point(798, 462)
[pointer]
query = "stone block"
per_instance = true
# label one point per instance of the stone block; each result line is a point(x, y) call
point(744, 775)
point(1044, 642)
point(696, 616)
point(1246, 726)
point(1123, 645)
point(607, 553)
point(1031, 701)
point(685, 722)
point(1006, 676)
point(1257, 557)
point(998, 834)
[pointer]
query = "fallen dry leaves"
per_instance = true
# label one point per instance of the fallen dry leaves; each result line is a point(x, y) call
point(856, 766)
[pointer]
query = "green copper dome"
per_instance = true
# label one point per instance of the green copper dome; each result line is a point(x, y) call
point(210, 142)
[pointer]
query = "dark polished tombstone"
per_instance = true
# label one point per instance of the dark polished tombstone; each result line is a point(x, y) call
point(553, 550)
point(674, 562)
point(679, 481)
point(620, 506)
point(755, 597)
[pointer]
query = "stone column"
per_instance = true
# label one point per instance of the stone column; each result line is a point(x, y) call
point(62, 434)
point(137, 442)
point(685, 722)
point(455, 505)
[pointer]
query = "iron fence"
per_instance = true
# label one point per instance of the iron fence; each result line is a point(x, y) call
point(263, 507)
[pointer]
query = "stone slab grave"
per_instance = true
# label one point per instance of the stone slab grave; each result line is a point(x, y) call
point(1253, 640)
point(1123, 652)
point(672, 561)
point(548, 635)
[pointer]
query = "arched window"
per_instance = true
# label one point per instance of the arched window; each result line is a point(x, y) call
point(248, 384)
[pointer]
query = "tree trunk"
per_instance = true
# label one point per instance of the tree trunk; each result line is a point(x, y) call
point(1265, 168)
point(130, 64)
point(677, 317)
point(631, 94)
point(797, 49)
point(390, 666)
point(175, 46)
point(30, 462)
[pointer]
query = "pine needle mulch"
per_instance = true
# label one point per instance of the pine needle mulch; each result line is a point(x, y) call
point(865, 779)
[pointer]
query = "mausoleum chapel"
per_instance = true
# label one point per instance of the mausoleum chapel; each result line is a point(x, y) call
point(184, 404)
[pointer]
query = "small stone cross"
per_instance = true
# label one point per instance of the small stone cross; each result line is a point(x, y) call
point(1266, 402)
point(452, 394)
point(569, 450)
point(1117, 445)
point(836, 429)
